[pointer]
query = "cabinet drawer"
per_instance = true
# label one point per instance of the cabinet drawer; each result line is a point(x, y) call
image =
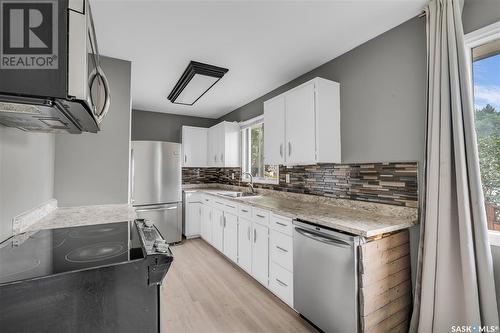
point(206, 199)
point(193, 197)
point(245, 211)
point(219, 203)
point(281, 224)
point(281, 247)
point(281, 283)
point(231, 207)
point(260, 216)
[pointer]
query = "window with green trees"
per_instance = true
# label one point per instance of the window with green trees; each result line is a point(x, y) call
point(486, 76)
point(253, 155)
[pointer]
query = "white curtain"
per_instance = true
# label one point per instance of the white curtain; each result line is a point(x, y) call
point(455, 283)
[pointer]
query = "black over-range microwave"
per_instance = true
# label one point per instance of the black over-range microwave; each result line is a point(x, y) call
point(51, 79)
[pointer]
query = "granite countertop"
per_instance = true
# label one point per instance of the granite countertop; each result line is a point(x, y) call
point(85, 215)
point(356, 217)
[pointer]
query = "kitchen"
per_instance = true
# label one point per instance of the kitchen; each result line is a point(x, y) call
point(263, 174)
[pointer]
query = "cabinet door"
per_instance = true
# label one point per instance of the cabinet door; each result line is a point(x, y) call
point(213, 146)
point(300, 127)
point(260, 253)
point(194, 146)
point(217, 229)
point(231, 236)
point(193, 219)
point(231, 145)
point(245, 244)
point(274, 131)
point(206, 223)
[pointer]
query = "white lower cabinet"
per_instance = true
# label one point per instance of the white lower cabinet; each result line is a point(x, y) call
point(245, 244)
point(193, 219)
point(260, 253)
point(281, 258)
point(281, 283)
point(217, 229)
point(259, 242)
point(230, 237)
point(206, 223)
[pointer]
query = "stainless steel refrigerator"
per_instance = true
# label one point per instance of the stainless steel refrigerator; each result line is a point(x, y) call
point(156, 186)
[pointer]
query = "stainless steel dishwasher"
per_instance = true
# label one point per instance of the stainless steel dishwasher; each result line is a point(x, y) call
point(325, 287)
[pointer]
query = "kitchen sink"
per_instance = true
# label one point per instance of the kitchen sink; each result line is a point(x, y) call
point(239, 194)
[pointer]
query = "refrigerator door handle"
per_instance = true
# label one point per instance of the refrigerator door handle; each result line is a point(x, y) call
point(155, 209)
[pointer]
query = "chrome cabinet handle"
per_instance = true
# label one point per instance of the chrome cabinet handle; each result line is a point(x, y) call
point(244, 210)
point(289, 148)
point(248, 232)
point(225, 222)
point(281, 282)
point(254, 235)
point(215, 158)
point(230, 206)
point(261, 216)
point(282, 224)
point(280, 248)
point(222, 158)
point(281, 150)
point(185, 158)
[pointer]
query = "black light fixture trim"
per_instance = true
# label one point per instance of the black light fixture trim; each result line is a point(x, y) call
point(192, 69)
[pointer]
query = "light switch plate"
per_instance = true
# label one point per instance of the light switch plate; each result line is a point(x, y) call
point(287, 178)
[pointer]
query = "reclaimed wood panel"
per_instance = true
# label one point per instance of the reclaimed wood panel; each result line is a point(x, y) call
point(385, 283)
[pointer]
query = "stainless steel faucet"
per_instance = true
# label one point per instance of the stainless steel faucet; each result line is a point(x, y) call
point(251, 181)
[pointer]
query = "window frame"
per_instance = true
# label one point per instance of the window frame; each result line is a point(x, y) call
point(474, 39)
point(245, 126)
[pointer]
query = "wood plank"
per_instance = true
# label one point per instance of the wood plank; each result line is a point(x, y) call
point(386, 243)
point(375, 302)
point(375, 259)
point(385, 284)
point(391, 323)
point(386, 312)
point(384, 271)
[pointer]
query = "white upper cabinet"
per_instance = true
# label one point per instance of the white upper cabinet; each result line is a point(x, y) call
point(224, 145)
point(194, 146)
point(302, 125)
point(274, 129)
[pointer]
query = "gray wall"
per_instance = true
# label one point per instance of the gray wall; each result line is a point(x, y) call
point(163, 126)
point(382, 89)
point(480, 13)
point(93, 169)
point(26, 173)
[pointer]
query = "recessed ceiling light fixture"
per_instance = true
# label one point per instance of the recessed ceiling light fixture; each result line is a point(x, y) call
point(196, 80)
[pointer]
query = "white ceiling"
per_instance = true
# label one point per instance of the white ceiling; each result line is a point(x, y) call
point(263, 43)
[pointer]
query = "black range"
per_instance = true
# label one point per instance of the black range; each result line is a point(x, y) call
point(97, 278)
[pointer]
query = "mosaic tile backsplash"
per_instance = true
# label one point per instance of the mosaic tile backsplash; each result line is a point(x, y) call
point(389, 183)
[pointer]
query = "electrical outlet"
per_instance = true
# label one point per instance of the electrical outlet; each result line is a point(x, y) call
point(287, 178)
point(232, 175)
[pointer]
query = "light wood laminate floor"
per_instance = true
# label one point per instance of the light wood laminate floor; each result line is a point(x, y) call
point(204, 292)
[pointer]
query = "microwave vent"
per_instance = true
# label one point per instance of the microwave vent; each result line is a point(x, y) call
point(19, 108)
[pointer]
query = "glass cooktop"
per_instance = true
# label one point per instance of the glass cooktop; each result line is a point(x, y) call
point(46, 252)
